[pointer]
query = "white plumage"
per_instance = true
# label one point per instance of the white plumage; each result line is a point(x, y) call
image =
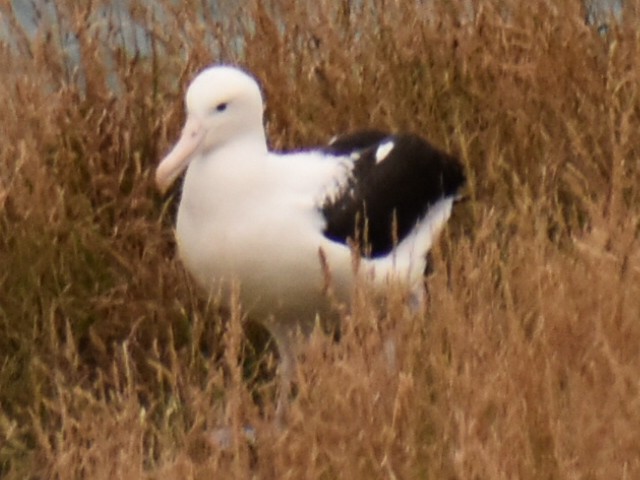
point(259, 218)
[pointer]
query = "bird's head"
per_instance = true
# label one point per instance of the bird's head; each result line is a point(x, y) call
point(224, 104)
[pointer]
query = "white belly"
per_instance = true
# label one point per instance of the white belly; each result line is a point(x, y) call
point(273, 257)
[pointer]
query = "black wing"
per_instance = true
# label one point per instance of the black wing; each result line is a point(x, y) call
point(393, 182)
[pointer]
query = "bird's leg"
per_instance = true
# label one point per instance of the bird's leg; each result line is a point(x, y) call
point(416, 301)
point(285, 381)
point(391, 354)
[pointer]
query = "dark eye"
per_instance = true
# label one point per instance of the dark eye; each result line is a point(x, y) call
point(221, 107)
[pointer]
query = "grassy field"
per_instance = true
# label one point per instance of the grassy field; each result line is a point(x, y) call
point(526, 363)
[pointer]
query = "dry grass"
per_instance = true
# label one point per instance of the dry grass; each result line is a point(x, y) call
point(526, 363)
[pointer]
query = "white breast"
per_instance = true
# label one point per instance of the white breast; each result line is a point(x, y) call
point(257, 224)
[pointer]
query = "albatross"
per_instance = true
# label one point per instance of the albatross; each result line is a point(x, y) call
point(281, 225)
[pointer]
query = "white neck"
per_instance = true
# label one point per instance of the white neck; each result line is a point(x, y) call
point(224, 175)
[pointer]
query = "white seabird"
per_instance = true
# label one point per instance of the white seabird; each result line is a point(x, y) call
point(277, 223)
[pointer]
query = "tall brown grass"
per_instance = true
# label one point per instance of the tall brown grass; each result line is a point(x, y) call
point(526, 362)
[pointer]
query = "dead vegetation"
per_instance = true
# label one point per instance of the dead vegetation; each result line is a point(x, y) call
point(526, 363)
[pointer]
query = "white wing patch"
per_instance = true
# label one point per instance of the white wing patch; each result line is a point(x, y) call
point(338, 184)
point(408, 258)
point(383, 150)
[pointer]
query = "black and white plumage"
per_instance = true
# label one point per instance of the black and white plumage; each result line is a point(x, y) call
point(392, 183)
point(261, 218)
